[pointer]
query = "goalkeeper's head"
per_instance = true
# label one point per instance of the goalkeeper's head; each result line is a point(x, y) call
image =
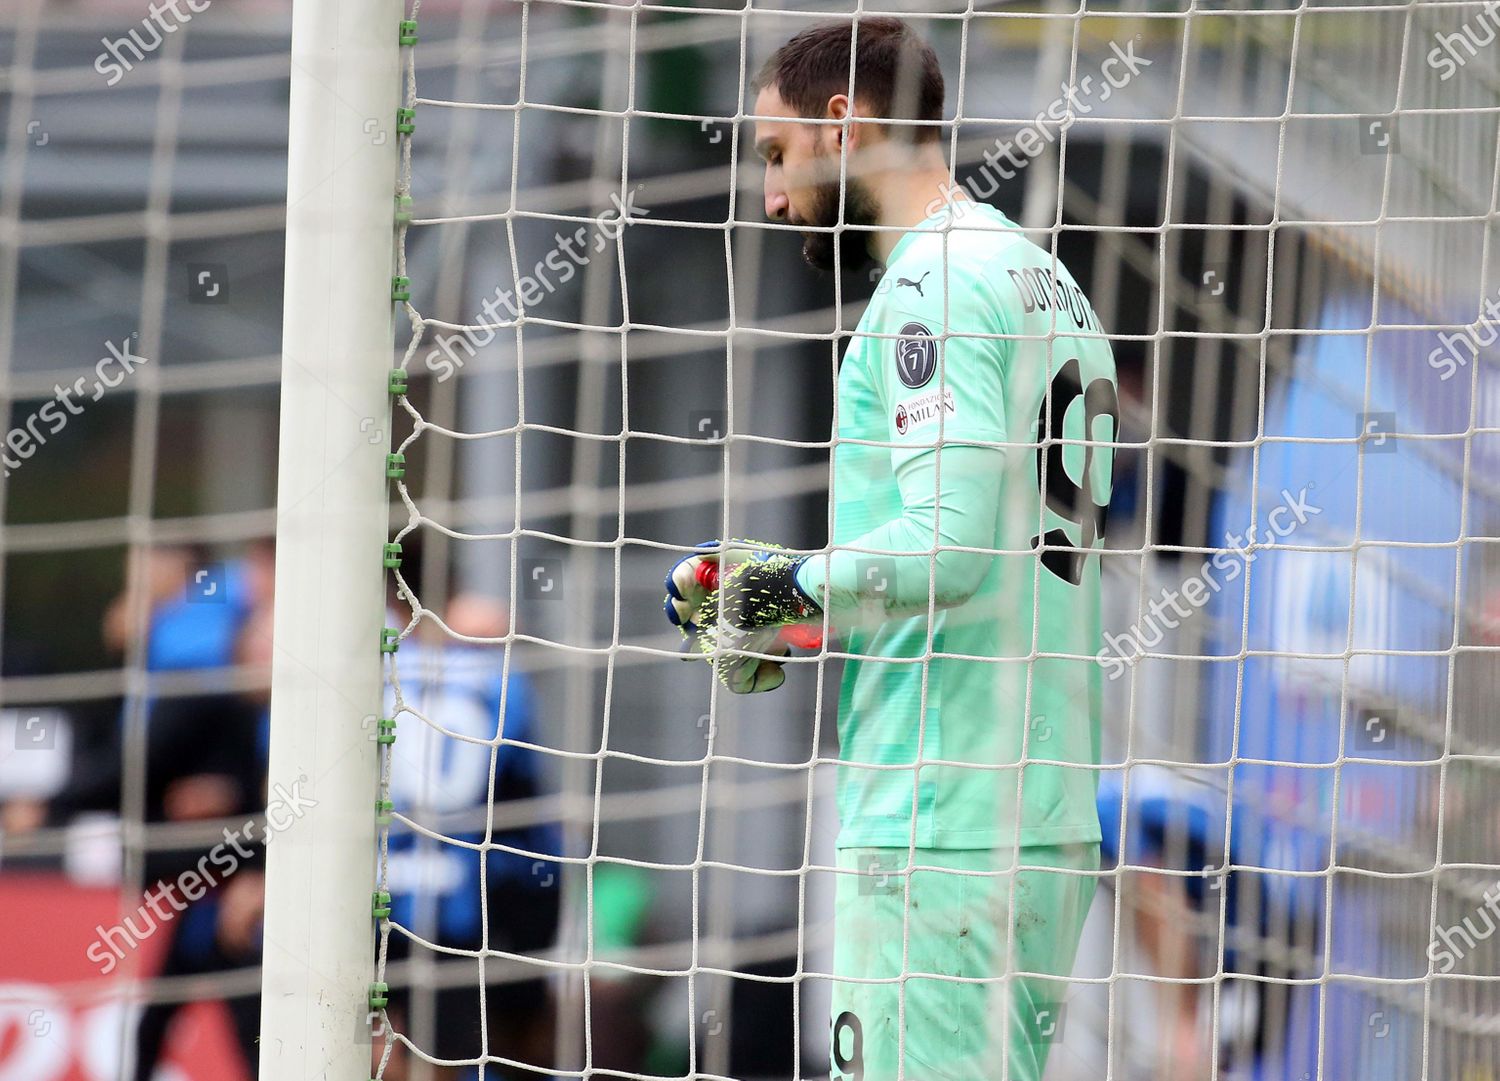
point(881, 138)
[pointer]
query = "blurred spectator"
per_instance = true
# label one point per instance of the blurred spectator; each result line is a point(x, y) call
point(204, 757)
point(1174, 920)
point(447, 767)
point(193, 770)
point(197, 607)
point(203, 762)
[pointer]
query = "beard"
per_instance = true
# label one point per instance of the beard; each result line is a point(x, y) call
point(850, 249)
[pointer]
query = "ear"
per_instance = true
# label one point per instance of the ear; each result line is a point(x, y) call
point(840, 108)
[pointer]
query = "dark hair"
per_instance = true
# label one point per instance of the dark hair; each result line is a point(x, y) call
point(895, 72)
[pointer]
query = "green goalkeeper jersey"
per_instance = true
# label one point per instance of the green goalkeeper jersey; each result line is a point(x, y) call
point(976, 407)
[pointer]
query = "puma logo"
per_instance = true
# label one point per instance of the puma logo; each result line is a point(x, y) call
point(917, 285)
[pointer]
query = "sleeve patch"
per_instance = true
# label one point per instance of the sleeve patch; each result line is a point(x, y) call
point(924, 409)
point(916, 355)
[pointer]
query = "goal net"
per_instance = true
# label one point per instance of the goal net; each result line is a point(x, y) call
point(1283, 218)
point(588, 858)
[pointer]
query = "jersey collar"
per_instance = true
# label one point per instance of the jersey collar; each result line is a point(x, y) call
point(944, 217)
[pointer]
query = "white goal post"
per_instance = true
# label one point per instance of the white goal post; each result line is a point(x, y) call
point(330, 524)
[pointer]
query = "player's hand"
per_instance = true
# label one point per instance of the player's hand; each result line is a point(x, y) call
point(746, 662)
point(693, 578)
point(738, 604)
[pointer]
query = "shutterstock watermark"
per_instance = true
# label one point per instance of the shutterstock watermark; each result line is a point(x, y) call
point(1472, 36)
point(113, 65)
point(214, 867)
point(23, 440)
point(571, 254)
point(1460, 939)
point(1447, 358)
point(1116, 73)
point(1124, 650)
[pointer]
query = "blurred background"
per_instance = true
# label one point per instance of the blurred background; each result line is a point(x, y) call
point(1284, 216)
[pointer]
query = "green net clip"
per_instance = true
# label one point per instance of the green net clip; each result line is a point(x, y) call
point(393, 555)
point(400, 288)
point(396, 382)
point(386, 729)
point(406, 121)
point(380, 905)
point(403, 210)
point(395, 466)
point(408, 31)
point(390, 640)
point(383, 809)
point(380, 995)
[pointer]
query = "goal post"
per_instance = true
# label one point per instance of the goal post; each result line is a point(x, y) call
point(331, 522)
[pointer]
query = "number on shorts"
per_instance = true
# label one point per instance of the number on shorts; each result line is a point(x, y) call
point(853, 1066)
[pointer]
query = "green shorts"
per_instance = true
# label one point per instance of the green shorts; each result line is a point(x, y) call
point(909, 1022)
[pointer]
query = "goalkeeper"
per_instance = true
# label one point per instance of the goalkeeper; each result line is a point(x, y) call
point(971, 469)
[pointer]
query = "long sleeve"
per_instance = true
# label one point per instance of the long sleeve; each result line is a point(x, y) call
point(950, 498)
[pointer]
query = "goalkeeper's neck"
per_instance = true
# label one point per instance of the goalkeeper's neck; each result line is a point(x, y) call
point(909, 194)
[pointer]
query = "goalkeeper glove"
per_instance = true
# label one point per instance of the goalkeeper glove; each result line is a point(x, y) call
point(740, 598)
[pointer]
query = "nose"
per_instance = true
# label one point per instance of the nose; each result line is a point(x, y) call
point(776, 204)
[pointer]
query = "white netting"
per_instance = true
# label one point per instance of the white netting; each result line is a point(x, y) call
point(1285, 224)
point(1275, 217)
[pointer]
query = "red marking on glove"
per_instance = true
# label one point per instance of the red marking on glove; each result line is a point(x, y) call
point(803, 635)
point(708, 575)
